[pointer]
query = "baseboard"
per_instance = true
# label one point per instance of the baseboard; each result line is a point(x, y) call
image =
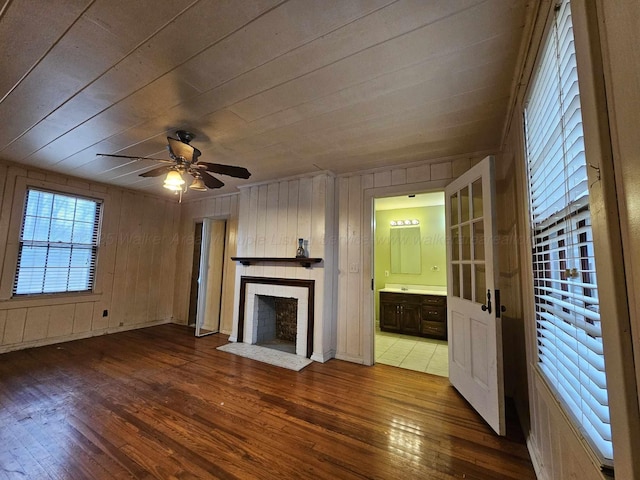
point(323, 357)
point(77, 336)
point(349, 358)
point(533, 453)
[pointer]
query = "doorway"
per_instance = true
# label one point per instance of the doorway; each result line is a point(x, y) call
point(207, 276)
point(409, 271)
point(195, 274)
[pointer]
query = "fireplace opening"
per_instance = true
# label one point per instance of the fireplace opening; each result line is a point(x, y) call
point(277, 319)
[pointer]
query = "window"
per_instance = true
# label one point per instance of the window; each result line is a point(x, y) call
point(569, 338)
point(58, 244)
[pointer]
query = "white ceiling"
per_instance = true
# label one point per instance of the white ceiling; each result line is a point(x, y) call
point(279, 87)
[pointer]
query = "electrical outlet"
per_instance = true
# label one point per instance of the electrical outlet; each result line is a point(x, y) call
point(353, 268)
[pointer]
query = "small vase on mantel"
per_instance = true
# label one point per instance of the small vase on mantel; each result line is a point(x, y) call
point(300, 251)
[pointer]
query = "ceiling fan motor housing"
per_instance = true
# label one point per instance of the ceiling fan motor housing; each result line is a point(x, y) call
point(184, 136)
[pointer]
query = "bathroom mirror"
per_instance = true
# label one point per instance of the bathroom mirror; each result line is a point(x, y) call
point(406, 250)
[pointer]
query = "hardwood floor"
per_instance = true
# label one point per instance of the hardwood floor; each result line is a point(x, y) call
point(159, 403)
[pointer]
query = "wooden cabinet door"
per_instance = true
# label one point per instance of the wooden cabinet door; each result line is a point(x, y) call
point(389, 317)
point(410, 322)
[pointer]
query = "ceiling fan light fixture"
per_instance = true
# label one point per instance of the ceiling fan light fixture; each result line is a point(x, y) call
point(184, 159)
point(173, 179)
point(198, 185)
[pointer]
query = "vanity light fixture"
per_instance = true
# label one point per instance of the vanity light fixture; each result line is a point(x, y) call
point(401, 223)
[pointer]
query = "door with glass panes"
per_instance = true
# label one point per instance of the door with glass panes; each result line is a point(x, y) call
point(473, 308)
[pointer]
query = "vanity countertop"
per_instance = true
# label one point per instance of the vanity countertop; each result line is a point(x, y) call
point(416, 289)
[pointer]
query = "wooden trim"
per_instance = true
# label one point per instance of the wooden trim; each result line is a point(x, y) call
point(367, 260)
point(15, 212)
point(288, 282)
point(607, 239)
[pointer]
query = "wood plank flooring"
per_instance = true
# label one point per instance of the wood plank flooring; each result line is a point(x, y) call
point(160, 403)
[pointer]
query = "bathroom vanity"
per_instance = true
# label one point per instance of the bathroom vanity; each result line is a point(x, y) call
point(414, 311)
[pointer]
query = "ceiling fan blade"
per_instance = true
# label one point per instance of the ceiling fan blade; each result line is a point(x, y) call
point(130, 157)
point(230, 170)
point(211, 182)
point(179, 149)
point(156, 172)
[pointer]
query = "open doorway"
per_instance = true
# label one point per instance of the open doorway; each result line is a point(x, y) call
point(195, 274)
point(410, 282)
point(207, 276)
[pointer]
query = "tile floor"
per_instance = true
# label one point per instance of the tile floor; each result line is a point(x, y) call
point(414, 353)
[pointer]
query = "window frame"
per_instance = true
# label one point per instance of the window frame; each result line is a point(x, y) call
point(530, 252)
point(91, 247)
point(14, 212)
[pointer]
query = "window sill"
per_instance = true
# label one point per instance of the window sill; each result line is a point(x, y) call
point(38, 300)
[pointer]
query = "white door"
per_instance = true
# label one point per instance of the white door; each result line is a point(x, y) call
point(473, 311)
point(210, 280)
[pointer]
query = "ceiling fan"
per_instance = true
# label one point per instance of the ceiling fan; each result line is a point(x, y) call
point(184, 159)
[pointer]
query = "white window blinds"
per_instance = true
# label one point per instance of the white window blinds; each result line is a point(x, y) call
point(58, 244)
point(565, 290)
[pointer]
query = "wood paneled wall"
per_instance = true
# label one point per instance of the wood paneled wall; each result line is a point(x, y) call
point(509, 238)
point(136, 262)
point(272, 218)
point(223, 207)
point(354, 315)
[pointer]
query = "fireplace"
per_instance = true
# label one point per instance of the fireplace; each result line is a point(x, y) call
point(260, 294)
point(277, 322)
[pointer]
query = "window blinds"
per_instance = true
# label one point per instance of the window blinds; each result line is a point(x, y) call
point(58, 244)
point(565, 289)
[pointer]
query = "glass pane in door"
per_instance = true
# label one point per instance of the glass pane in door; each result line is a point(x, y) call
point(455, 281)
point(476, 192)
point(454, 209)
point(478, 240)
point(455, 243)
point(466, 282)
point(464, 205)
point(466, 242)
point(480, 282)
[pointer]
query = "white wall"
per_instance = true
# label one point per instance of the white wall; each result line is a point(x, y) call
point(134, 271)
point(272, 217)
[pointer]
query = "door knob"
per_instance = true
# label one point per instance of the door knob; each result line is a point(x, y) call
point(487, 306)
